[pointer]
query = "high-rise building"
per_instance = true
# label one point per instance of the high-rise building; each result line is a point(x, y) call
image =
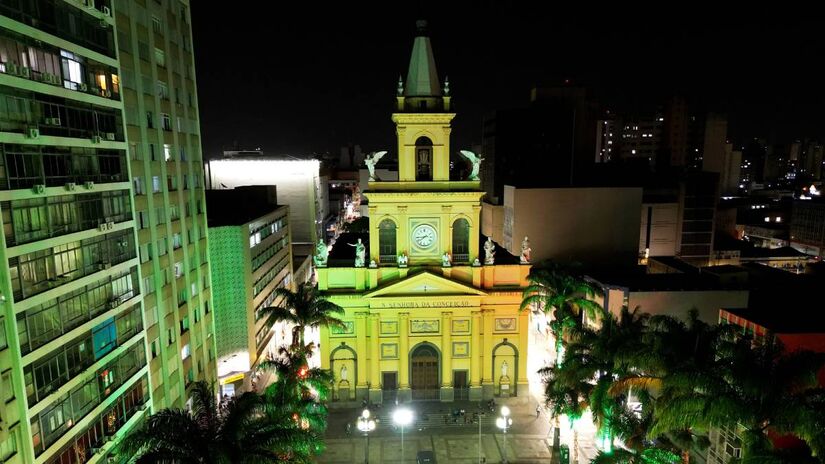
point(73, 370)
point(104, 304)
point(251, 258)
point(161, 112)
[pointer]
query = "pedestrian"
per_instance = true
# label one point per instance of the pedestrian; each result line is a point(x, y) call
point(538, 410)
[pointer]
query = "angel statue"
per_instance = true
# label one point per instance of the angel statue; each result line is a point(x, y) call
point(371, 160)
point(476, 160)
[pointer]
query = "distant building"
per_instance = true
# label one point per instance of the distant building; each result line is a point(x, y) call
point(698, 197)
point(808, 226)
point(300, 186)
point(557, 131)
point(590, 225)
point(251, 258)
point(673, 294)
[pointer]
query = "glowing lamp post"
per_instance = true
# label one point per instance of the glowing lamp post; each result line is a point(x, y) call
point(402, 417)
point(366, 425)
point(504, 422)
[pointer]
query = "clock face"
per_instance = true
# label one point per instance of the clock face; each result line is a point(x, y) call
point(424, 236)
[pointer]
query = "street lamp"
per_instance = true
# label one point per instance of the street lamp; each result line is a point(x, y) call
point(480, 415)
point(402, 417)
point(366, 425)
point(504, 422)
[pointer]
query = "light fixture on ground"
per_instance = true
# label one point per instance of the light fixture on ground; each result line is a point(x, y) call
point(402, 418)
point(366, 425)
point(504, 422)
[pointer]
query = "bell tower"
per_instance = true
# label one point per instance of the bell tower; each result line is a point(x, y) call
point(423, 216)
point(422, 118)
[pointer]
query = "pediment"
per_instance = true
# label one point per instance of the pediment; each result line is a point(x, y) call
point(425, 284)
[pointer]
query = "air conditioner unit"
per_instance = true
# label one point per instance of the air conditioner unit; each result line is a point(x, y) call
point(110, 225)
point(70, 185)
point(107, 11)
point(107, 93)
point(102, 226)
point(83, 87)
point(39, 188)
point(95, 139)
point(25, 72)
point(110, 135)
point(11, 68)
point(89, 185)
point(33, 133)
point(56, 121)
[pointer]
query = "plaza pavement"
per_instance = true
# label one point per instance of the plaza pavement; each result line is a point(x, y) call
point(454, 439)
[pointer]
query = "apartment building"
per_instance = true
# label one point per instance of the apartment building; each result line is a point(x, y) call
point(82, 359)
point(252, 258)
point(160, 105)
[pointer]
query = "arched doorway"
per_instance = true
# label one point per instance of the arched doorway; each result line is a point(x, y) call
point(424, 368)
point(423, 159)
point(461, 241)
point(505, 369)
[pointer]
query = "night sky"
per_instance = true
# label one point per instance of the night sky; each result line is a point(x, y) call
point(312, 79)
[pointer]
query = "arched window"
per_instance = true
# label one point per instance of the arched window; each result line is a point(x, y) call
point(386, 242)
point(461, 241)
point(423, 159)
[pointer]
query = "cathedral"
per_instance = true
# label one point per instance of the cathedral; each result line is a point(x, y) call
point(431, 305)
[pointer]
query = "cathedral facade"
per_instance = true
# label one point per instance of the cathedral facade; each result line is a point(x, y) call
point(431, 306)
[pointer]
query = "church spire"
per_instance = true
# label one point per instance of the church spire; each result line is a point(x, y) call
point(422, 78)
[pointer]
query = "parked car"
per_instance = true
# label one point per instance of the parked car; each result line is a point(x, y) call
point(425, 457)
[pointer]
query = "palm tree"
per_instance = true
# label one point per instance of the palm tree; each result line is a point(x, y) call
point(304, 307)
point(755, 388)
point(555, 287)
point(242, 430)
point(298, 389)
point(595, 359)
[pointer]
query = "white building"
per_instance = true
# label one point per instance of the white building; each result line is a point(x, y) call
point(298, 181)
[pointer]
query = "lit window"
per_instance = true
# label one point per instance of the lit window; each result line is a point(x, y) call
point(184, 352)
point(167, 152)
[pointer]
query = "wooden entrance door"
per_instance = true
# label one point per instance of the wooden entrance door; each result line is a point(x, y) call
point(424, 373)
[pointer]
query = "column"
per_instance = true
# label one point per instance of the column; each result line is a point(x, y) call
point(361, 385)
point(447, 392)
point(404, 392)
point(487, 356)
point(475, 357)
point(375, 356)
point(523, 334)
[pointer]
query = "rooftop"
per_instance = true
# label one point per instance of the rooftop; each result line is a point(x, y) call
point(235, 207)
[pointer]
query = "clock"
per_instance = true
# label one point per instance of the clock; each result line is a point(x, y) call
point(424, 236)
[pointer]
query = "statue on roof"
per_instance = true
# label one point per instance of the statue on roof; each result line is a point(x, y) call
point(525, 251)
point(475, 160)
point(371, 160)
point(446, 259)
point(489, 251)
point(360, 253)
point(321, 254)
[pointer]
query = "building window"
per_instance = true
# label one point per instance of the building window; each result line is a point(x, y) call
point(163, 90)
point(184, 324)
point(155, 184)
point(8, 447)
point(387, 242)
point(155, 348)
point(160, 58)
point(166, 121)
point(137, 183)
point(4, 343)
point(150, 120)
point(157, 26)
point(8, 390)
point(177, 242)
point(178, 269)
point(423, 159)
point(184, 352)
point(461, 241)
